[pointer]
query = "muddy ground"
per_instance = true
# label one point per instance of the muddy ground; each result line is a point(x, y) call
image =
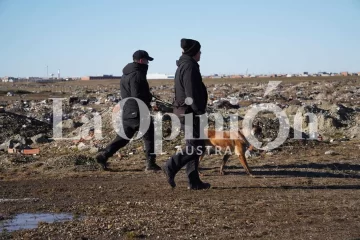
point(298, 192)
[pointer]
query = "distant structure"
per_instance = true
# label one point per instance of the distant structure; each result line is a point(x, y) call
point(103, 77)
point(10, 79)
point(159, 76)
point(59, 74)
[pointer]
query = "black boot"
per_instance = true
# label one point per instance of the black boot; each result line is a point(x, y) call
point(170, 178)
point(195, 183)
point(199, 186)
point(151, 165)
point(101, 159)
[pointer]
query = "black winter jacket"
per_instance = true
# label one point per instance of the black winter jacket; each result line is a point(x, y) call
point(188, 83)
point(133, 83)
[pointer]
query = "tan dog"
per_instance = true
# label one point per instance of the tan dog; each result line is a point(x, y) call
point(237, 144)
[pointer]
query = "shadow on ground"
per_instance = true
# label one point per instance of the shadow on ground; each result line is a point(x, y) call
point(293, 170)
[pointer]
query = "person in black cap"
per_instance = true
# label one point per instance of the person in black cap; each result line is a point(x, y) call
point(190, 97)
point(134, 84)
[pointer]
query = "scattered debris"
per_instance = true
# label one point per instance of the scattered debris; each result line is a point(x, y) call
point(330, 152)
point(27, 124)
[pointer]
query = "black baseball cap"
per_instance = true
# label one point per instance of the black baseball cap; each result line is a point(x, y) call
point(142, 54)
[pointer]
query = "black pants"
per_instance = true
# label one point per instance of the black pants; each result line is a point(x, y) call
point(189, 155)
point(131, 126)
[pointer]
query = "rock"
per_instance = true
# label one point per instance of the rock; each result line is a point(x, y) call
point(226, 104)
point(68, 124)
point(40, 138)
point(327, 123)
point(248, 154)
point(17, 145)
point(94, 150)
point(331, 152)
point(4, 147)
point(18, 139)
point(291, 110)
point(82, 147)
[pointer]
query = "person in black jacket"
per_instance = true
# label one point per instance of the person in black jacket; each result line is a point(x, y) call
point(134, 84)
point(190, 98)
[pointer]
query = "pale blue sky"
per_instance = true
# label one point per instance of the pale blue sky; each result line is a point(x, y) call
point(88, 37)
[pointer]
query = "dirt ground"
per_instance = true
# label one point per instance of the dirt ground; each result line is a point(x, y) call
point(298, 192)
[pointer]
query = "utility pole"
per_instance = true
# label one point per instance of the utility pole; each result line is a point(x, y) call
point(47, 71)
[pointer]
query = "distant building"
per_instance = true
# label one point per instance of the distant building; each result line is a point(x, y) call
point(304, 74)
point(344, 74)
point(236, 76)
point(323, 74)
point(159, 76)
point(215, 76)
point(10, 79)
point(103, 77)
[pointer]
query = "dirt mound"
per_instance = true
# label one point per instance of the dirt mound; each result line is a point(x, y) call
point(13, 124)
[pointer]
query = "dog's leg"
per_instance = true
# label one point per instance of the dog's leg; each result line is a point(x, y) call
point(200, 158)
point(225, 159)
point(243, 162)
point(240, 151)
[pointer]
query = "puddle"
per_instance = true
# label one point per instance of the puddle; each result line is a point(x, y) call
point(31, 221)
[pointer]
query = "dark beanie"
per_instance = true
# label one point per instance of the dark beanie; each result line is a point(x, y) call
point(191, 47)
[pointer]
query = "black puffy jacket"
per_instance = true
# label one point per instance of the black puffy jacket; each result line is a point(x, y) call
point(133, 83)
point(188, 83)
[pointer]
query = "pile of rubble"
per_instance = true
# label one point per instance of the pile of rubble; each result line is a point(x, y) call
point(26, 125)
point(12, 124)
point(19, 132)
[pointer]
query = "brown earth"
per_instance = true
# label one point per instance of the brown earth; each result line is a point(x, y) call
point(299, 192)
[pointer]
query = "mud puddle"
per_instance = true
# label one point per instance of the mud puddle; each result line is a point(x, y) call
point(31, 220)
